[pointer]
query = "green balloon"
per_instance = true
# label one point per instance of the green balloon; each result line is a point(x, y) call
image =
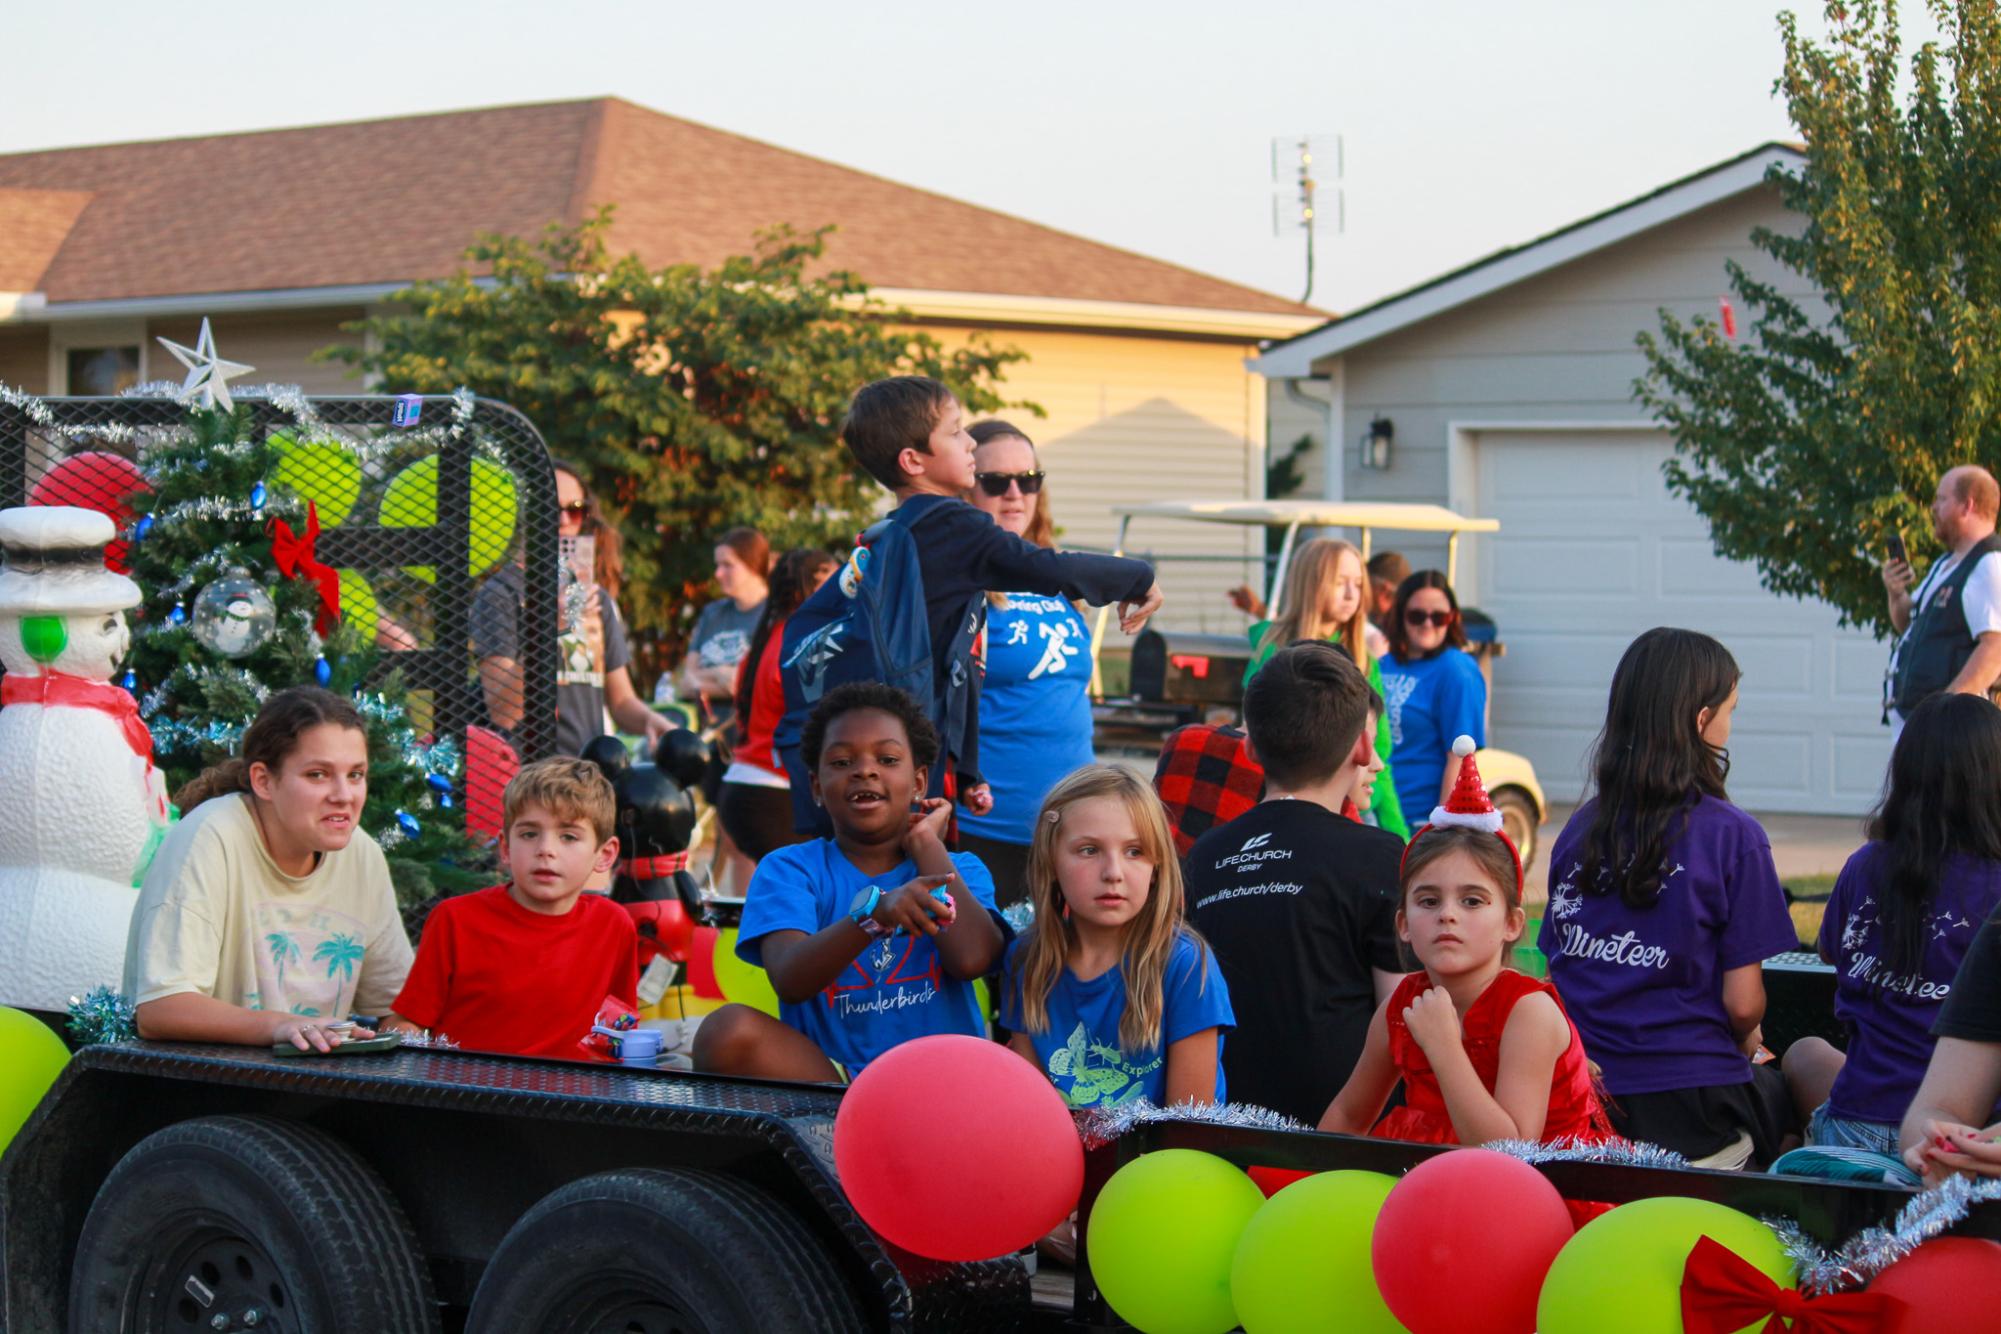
point(411, 501)
point(1303, 1266)
point(1622, 1271)
point(744, 983)
point(1162, 1236)
point(329, 475)
point(32, 1055)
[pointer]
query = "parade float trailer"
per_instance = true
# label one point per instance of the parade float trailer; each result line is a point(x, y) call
point(172, 1186)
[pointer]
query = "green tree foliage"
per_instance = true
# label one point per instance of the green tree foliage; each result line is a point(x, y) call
point(203, 525)
point(1826, 427)
point(694, 399)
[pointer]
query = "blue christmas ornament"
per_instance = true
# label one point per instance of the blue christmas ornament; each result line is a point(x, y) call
point(145, 526)
point(408, 823)
point(257, 495)
point(445, 800)
point(439, 783)
point(130, 681)
point(322, 672)
point(177, 616)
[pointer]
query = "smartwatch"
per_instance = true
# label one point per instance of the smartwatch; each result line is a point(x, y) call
point(862, 912)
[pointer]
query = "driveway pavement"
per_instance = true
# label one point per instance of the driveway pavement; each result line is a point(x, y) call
point(1801, 845)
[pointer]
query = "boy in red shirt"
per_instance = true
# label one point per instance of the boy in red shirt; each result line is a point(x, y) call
point(525, 966)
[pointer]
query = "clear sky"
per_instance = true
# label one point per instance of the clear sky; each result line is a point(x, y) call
point(1469, 124)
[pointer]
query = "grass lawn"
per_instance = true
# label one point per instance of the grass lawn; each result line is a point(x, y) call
point(1809, 901)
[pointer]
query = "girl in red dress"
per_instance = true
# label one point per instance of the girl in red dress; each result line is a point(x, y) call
point(1484, 1052)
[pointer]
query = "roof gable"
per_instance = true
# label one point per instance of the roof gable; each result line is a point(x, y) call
point(1295, 357)
point(388, 201)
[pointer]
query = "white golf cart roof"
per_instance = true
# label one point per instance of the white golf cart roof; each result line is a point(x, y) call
point(1314, 513)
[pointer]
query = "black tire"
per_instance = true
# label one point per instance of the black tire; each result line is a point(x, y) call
point(214, 1216)
point(645, 1250)
point(1519, 820)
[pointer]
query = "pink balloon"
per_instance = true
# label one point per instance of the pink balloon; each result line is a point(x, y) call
point(955, 1148)
point(1468, 1212)
point(1951, 1284)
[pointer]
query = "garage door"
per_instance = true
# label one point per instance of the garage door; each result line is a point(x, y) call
point(1593, 549)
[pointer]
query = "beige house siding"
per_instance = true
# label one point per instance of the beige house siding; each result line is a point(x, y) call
point(280, 346)
point(1133, 419)
point(24, 359)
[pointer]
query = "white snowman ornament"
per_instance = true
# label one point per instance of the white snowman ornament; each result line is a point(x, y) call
point(82, 806)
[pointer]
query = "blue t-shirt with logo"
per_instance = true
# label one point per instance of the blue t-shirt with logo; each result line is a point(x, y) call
point(1431, 703)
point(1080, 1051)
point(1035, 710)
point(897, 990)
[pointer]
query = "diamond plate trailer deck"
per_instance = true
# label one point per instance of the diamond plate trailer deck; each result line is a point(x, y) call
point(467, 1144)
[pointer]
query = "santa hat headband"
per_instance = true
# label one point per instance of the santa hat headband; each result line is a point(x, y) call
point(1469, 807)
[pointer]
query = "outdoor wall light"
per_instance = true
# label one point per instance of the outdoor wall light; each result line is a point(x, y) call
point(1376, 444)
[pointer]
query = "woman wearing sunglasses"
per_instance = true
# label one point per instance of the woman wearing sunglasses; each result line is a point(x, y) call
point(1433, 690)
point(1035, 713)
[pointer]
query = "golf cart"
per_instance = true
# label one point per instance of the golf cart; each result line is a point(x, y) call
point(1179, 677)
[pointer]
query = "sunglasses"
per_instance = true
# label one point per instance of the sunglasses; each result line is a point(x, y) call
point(995, 484)
point(1414, 618)
point(579, 510)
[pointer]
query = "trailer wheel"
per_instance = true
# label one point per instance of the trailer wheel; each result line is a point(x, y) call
point(246, 1223)
point(645, 1251)
point(1519, 819)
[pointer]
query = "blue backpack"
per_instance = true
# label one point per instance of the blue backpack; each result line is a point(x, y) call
point(868, 623)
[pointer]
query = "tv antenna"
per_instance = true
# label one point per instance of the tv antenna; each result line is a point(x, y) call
point(1307, 194)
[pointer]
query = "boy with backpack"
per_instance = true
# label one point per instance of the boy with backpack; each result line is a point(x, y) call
point(909, 608)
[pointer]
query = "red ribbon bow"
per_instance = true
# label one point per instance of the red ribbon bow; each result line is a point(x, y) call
point(1721, 1292)
point(294, 555)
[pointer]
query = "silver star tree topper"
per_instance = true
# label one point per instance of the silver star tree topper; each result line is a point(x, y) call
point(208, 379)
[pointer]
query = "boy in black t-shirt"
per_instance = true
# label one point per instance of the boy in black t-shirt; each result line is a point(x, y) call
point(1299, 901)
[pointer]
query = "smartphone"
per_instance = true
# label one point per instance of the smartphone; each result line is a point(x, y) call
point(1897, 551)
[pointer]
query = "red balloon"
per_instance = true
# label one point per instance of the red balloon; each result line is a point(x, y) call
point(1471, 1211)
point(955, 1148)
point(702, 964)
point(1272, 1180)
point(1950, 1284)
point(95, 480)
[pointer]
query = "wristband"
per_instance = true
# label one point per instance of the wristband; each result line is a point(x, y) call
point(862, 912)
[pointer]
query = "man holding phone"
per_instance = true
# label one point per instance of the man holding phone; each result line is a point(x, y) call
point(1950, 627)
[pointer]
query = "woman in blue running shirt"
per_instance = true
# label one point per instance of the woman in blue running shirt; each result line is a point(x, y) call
point(1035, 711)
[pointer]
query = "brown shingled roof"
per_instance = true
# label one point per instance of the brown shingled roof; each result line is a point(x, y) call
point(387, 201)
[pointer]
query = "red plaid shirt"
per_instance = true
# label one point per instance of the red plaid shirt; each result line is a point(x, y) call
point(1205, 778)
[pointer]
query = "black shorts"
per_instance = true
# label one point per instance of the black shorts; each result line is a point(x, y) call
point(1007, 863)
point(757, 819)
point(1696, 1122)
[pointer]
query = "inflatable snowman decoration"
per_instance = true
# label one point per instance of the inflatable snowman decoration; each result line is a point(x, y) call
point(82, 806)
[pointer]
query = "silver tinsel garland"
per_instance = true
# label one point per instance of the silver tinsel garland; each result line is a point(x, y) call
point(102, 1015)
point(1620, 1153)
point(1868, 1253)
point(1102, 1125)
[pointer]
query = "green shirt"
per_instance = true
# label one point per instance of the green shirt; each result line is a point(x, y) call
point(1383, 803)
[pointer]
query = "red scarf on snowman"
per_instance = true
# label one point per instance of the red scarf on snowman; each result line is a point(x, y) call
point(61, 689)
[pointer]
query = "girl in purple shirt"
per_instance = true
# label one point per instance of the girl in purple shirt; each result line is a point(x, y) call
point(1664, 903)
point(1901, 919)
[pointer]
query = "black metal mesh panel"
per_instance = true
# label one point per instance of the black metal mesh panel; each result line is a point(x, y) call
point(416, 519)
